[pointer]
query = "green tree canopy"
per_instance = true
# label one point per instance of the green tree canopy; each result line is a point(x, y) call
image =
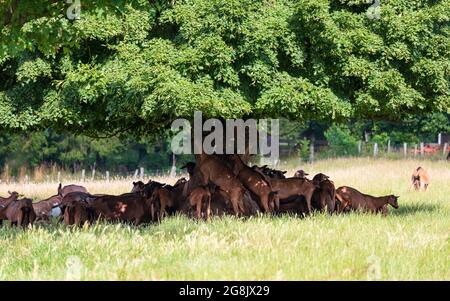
point(134, 66)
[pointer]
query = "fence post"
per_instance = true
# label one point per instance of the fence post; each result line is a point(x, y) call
point(405, 149)
point(83, 175)
point(58, 179)
point(141, 175)
point(415, 150)
point(444, 151)
point(135, 174)
point(421, 149)
point(107, 176)
point(173, 170)
point(440, 138)
point(359, 147)
point(93, 174)
point(375, 149)
point(26, 180)
point(389, 146)
point(311, 152)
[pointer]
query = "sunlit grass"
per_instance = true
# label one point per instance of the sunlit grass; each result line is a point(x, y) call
point(411, 243)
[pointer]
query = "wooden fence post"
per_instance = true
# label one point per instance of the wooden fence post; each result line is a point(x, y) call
point(375, 149)
point(141, 175)
point(83, 175)
point(444, 151)
point(359, 147)
point(93, 174)
point(415, 150)
point(440, 138)
point(421, 149)
point(389, 146)
point(58, 179)
point(405, 149)
point(136, 172)
point(107, 176)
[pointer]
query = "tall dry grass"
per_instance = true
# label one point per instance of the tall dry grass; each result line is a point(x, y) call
point(411, 243)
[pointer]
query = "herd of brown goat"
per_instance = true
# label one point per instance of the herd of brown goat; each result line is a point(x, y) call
point(217, 185)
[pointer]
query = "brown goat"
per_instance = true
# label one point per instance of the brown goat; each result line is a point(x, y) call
point(350, 198)
point(217, 170)
point(200, 198)
point(294, 187)
point(420, 178)
point(257, 183)
point(18, 212)
point(4, 203)
point(76, 196)
point(63, 191)
point(78, 213)
point(43, 209)
point(12, 197)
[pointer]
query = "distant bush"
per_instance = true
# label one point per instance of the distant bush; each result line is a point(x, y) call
point(303, 150)
point(341, 141)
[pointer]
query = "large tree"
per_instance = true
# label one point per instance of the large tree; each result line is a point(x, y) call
point(134, 66)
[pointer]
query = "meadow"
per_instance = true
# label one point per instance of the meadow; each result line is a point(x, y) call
point(411, 243)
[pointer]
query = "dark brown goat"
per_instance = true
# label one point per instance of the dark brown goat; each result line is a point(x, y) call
point(350, 198)
point(128, 207)
point(138, 186)
point(324, 196)
point(271, 173)
point(293, 205)
point(169, 198)
point(300, 174)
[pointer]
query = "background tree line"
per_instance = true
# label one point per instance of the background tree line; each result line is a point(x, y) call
point(124, 155)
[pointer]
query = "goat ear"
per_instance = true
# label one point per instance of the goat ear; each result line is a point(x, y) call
point(283, 172)
point(9, 192)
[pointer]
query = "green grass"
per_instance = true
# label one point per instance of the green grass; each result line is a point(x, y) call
point(412, 243)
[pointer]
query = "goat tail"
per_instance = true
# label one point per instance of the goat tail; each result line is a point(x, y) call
point(25, 217)
point(68, 215)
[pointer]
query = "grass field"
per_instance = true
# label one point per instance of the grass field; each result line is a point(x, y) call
point(412, 243)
